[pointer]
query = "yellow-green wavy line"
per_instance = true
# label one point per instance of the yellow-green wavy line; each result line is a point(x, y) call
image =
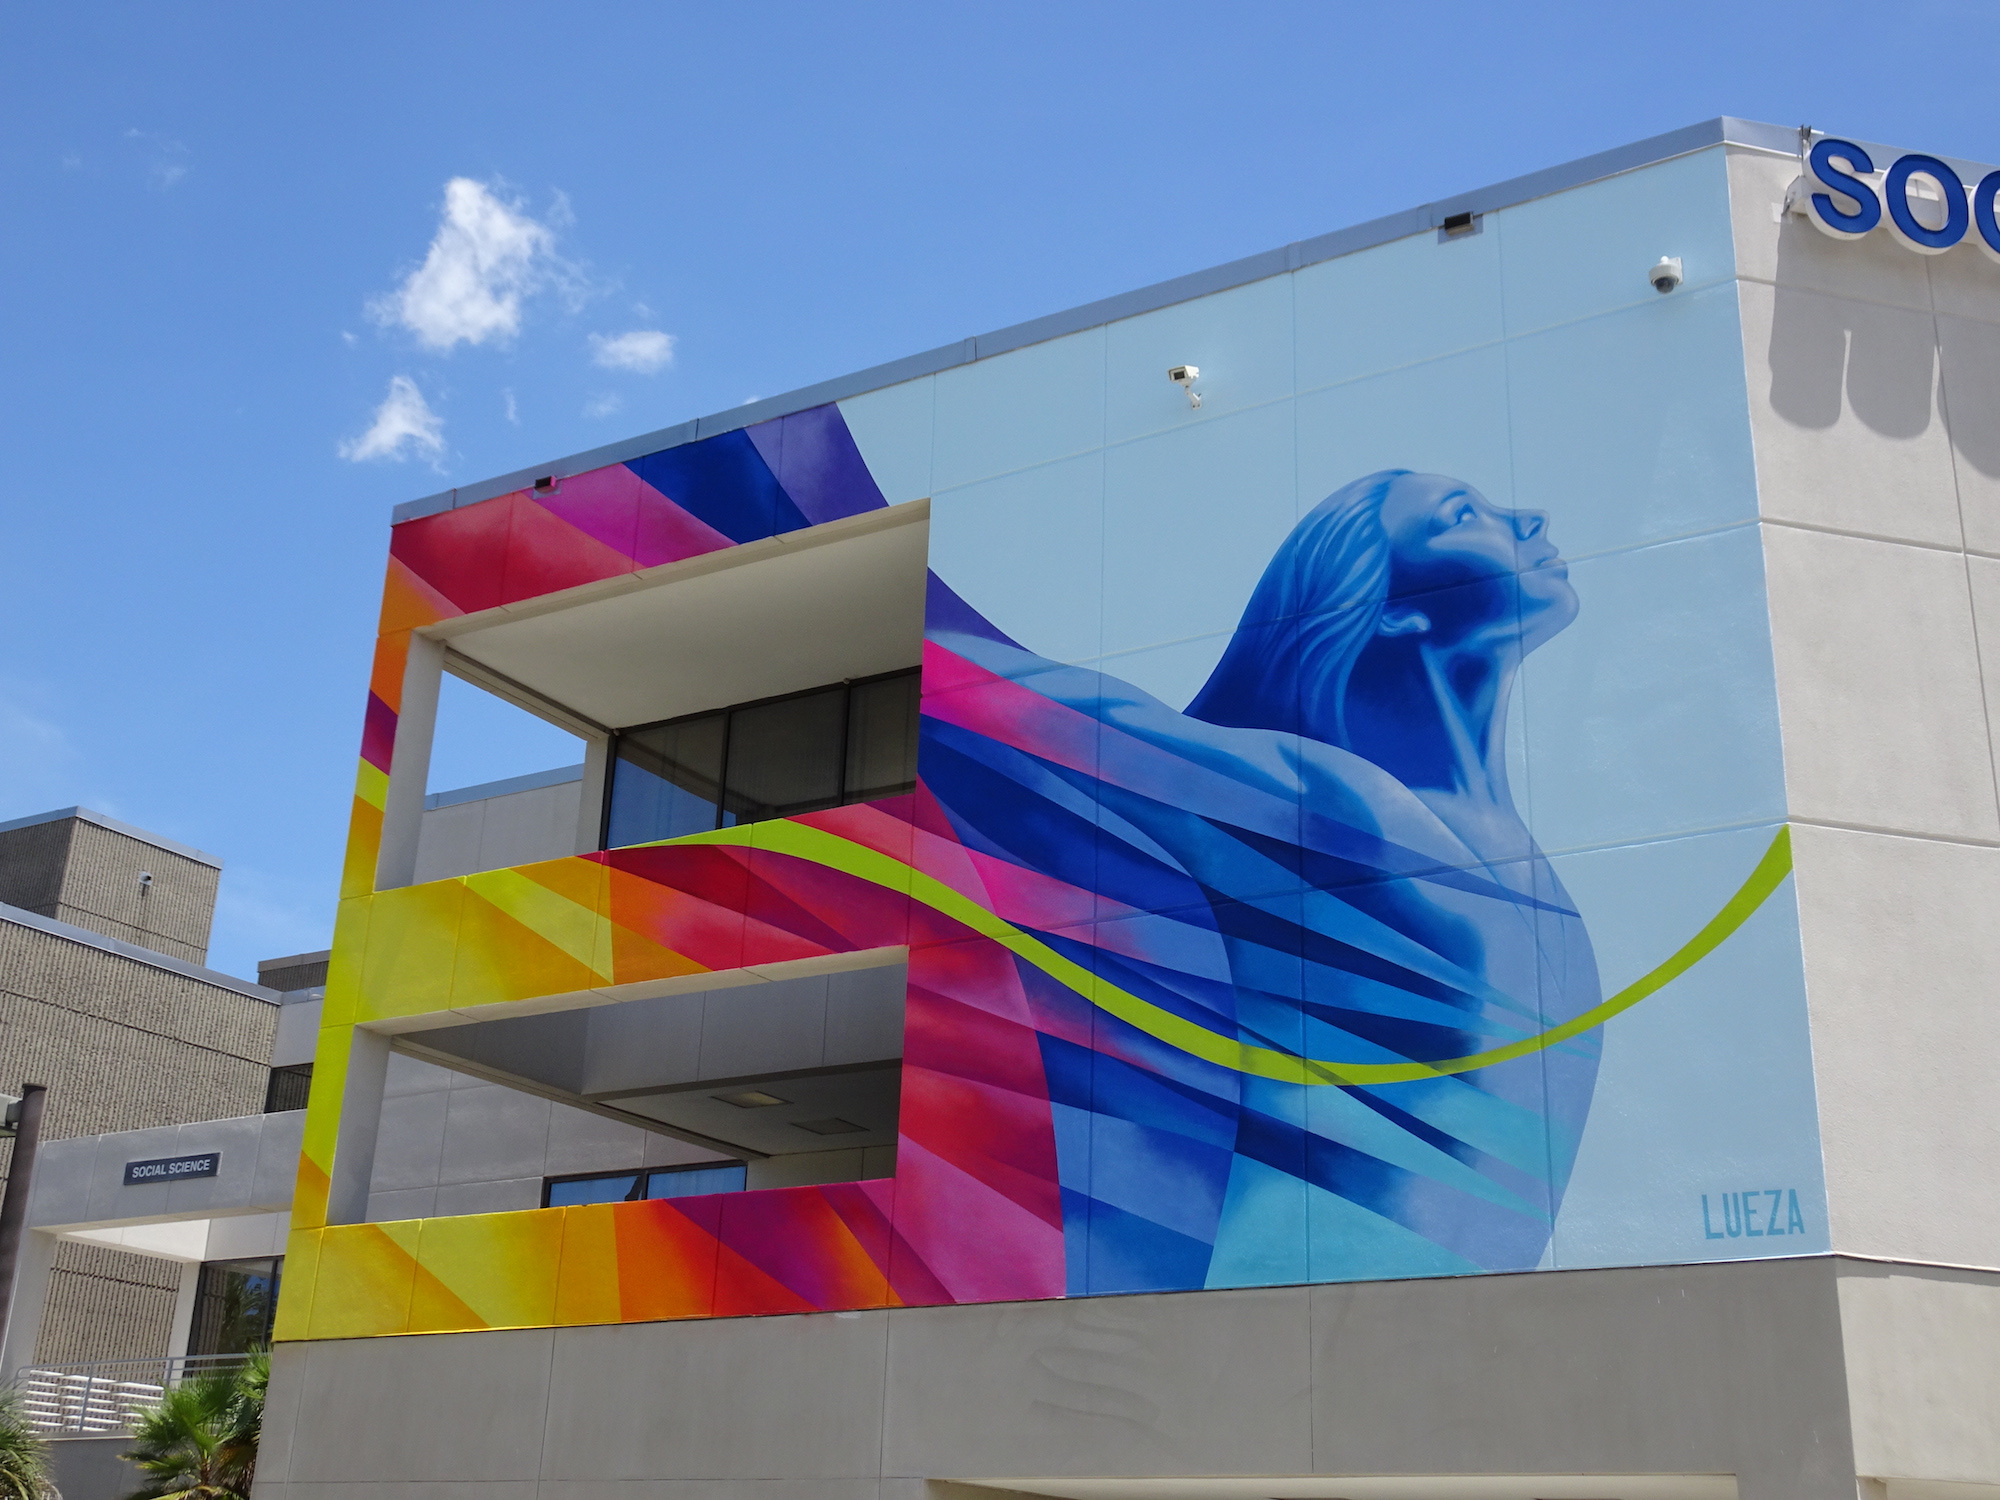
point(835, 852)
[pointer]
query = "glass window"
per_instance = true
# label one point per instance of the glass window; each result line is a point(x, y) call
point(234, 1303)
point(666, 780)
point(630, 1187)
point(612, 1187)
point(882, 737)
point(850, 742)
point(687, 1182)
point(785, 757)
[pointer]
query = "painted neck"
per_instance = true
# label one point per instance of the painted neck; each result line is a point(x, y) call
point(1435, 717)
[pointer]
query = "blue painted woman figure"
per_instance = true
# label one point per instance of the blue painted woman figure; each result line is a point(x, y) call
point(1318, 874)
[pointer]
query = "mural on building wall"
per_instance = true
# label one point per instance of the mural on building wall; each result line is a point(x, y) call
point(1272, 989)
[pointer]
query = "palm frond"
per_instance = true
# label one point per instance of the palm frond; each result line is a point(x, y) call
point(200, 1441)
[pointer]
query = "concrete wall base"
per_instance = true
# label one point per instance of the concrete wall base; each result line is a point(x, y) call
point(89, 1468)
point(1795, 1379)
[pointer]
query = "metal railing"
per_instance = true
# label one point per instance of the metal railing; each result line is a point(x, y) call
point(103, 1398)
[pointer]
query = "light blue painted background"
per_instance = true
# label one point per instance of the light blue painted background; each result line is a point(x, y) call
point(1081, 505)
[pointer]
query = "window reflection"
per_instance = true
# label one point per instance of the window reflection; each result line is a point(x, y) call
point(785, 757)
point(849, 742)
point(234, 1303)
point(631, 1187)
point(667, 780)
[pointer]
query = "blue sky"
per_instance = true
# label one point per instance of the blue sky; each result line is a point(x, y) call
point(239, 323)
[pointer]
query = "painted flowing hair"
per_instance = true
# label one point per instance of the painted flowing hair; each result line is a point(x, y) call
point(1310, 617)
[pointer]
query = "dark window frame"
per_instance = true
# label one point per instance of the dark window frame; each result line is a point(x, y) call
point(643, 1179)
point(728, 712)
point(275, 1090)
point(212, 1318)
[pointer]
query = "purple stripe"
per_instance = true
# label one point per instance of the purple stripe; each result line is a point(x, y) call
point(815, 460)
point(378, 734)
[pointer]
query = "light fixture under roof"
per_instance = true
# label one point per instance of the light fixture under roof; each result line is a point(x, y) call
point(832, 1126)
point(751, 1099)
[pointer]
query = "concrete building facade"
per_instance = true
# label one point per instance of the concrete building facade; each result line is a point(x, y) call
point(1365, 875)
point(104, 1000)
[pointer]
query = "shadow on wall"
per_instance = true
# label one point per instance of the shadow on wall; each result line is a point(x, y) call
point(92, 1468)
point(1885, 360)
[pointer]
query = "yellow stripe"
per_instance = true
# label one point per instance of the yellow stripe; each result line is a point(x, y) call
point(551, 916)
point(371, 785)
point(835, 852)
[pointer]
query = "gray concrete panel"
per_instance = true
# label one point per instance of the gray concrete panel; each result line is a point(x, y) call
point(549, 1048)
point(412, 1075)
point(297, 1040)
point(448, 842)
point(93, 1468)
point(461, 1410)
point(580, 1142)
point(64, 1173)
point(499, 1196)
point(403, 1203)
point(110, 1198)
point(493, 1132)
point(1214, 1382)
point(751, 1398)
point(1710, 1369)
point(1879, 686)
point(1723, 1369)
point(281, 1413)
point(1923, 1370)
point(524, 827)
point(1901, 948)
point(764, 1028)
point(864, 1014)
point(409, 1147)
point(82, 1181)
point(512, 827)
point(236, 1143)
point(642, 1043)
point(278, 1150)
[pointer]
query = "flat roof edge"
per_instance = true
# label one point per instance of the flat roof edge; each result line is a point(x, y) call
point(533, 781)
point(1723, 130)
point(22, 918)
point(293, 960)
point(172, 846)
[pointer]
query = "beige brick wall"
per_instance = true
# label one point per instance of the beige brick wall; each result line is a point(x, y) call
point(79, 872)
point(107, 1304)
point(121, 1045)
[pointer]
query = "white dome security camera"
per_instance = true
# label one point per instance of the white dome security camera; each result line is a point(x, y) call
point(1666, 274)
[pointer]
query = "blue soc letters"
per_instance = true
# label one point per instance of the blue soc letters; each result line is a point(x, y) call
point(1840, 170)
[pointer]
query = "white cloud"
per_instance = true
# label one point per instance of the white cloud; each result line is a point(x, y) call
point(513, 408)
point(486, 257)
point(404, 424)
point(603, 405)
point(169, 163)
point(644, 351)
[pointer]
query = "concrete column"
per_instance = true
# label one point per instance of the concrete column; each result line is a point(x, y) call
point(360, 1120)
point(31, 1299)
point(177, 1341)
point(409, 767)
point(596, 781)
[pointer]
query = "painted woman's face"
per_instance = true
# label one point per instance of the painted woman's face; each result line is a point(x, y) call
point(1476, 566)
